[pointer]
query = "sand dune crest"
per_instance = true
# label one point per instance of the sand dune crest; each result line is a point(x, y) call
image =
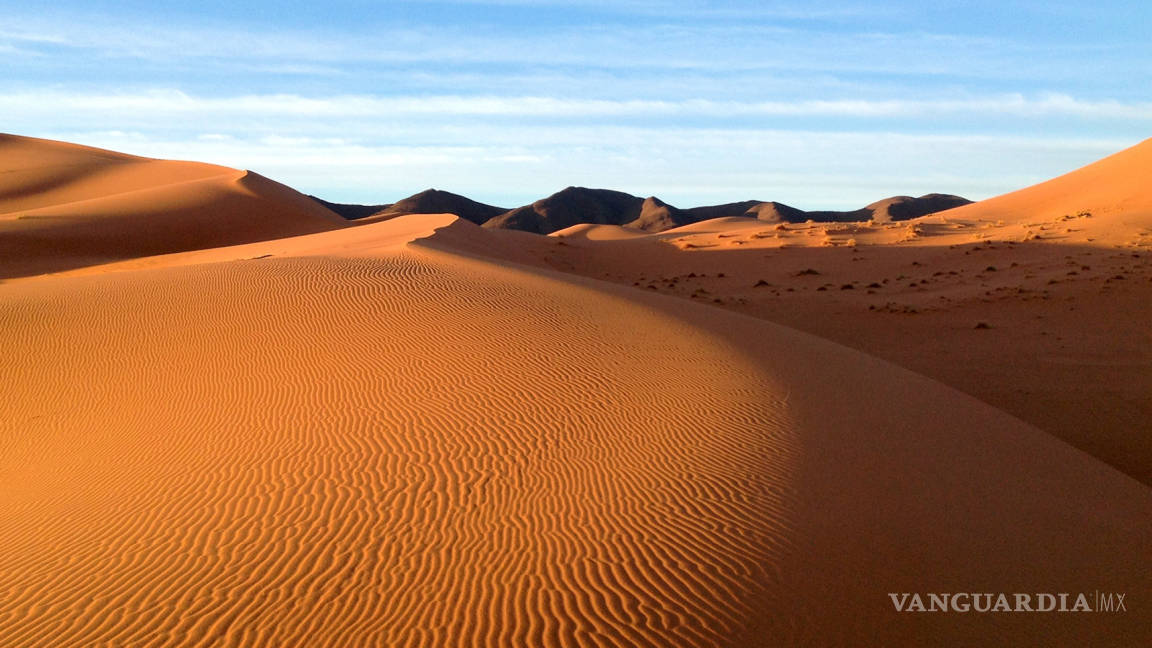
point(64, 206)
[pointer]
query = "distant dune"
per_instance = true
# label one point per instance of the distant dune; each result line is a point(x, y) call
point(657, 215)
point(435, 201)
point(580, 205)
point(576, 205)
point(421, 432)
point(896, 208)
point(572, 206)
point(429, 201)
point(351, 211)
point(900, 208)
point(63, 206)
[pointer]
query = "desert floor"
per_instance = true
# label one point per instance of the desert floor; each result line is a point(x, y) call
point(232, 419)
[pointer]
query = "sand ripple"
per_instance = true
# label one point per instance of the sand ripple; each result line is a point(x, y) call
point(395, 451)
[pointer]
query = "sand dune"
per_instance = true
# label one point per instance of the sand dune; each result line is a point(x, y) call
point(598, 232)
point(413, 433)
point(314, 445)
point(64, 206)
point(346, 467)
point(1035, 302)
point(1115, 188)
point(41, 173)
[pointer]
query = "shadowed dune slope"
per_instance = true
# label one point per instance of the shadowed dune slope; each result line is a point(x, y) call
point(343, 439)
point(898, 208)
point(895, 208)
point(656, 215)
point(571, 206)
point(351, 211)
point(65, 206)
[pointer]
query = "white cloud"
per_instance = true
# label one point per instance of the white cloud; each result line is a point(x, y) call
point(675, 41)
point(28, 36)
point(167, 103)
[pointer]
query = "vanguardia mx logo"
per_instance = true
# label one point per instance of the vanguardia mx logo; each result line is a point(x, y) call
point(983, 602)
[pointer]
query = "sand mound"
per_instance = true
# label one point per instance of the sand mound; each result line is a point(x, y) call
point(597, 232)
point(723, 224)
point(1115, 188)
point(64, 206)
point(347, 439)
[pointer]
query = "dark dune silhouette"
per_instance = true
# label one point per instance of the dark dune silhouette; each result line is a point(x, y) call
point(571, 206)
point(435, 201)
point(351, 211)
point(580, 205)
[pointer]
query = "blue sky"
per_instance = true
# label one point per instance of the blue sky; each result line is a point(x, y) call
point(816, 104)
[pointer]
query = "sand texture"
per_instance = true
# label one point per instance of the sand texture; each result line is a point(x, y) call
point(1036, 302)
point(419, 432)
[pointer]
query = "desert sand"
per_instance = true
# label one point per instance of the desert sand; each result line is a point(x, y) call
point(420, 432)
point(1036, 302)
point(64, 205)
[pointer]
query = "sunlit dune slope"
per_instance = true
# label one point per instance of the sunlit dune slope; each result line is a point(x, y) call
point(374, 437)
point(1036, 302)
point(1114, 190)
point(64, 205)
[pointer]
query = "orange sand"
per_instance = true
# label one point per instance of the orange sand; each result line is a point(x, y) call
point(1060, 274)
point(385, 435)
point(64, 206)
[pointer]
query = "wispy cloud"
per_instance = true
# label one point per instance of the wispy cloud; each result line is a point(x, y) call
point(173, 102)
point(26, 36)
point(667, 44)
